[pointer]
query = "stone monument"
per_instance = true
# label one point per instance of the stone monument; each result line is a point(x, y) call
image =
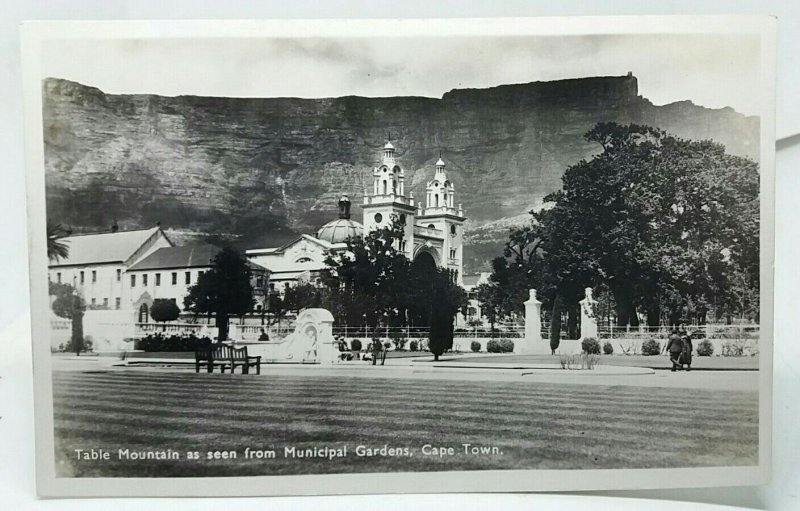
point(588, 321)
point(533, 342)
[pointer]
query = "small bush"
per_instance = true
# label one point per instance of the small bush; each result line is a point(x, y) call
point(591, 346)
point(160, 342)
point(355, 345)
point(500, 346)
point(413, 346)
point(705, 349)
point(475, 346)
point(651, 347)
point(399, 343)
point(608, 349)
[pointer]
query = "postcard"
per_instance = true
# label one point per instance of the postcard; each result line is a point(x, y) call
point(377, 256)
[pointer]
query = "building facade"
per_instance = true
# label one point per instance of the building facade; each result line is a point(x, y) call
point(432, 229)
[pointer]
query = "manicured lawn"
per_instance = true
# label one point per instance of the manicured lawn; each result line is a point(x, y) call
point(544, 426)
point(655, 361)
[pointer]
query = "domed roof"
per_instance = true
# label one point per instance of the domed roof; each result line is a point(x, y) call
point(440, 163)
point(337, 231)
point(388, 146)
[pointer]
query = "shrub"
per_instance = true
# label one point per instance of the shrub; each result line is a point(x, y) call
point(591, 346)
point(705, 348)
point(164, 310)
point(160, 342)
point(554, 343)
point(475, 346)
point(608, 349)
point(355, 345)
point(651, 347)
point(413, 346)
point(399, 343)
point(500, 346)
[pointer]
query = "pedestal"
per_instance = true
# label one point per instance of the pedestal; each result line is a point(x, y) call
point(588, 321)
point(533, 342)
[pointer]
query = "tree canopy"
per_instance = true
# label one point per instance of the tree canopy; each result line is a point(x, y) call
point(225, 290)
point(669, 226)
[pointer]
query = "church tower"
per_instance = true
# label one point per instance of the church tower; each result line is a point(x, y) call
point(388, 199)
point(442, 213)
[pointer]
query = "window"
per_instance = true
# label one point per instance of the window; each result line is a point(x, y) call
point(105, 302)
point(453, 230)
point(94, 276)
point(304, 260)
point(174, 278)
point(402, 219)
point(117, 303)
point(452, 253)
point(188, 278)
point(144, 279)
point(133, 280)
point(272, 286)
point(174, 300)
point(82, 277)
point(199, 274)
point(431, 226)
point(119, 275)
point(378, 218)
point(94, 302)
point(58, 277)
point(158, 279)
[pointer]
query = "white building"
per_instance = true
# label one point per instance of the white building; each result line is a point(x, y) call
point(97, 264)
point(433, 229)
point(169, 272)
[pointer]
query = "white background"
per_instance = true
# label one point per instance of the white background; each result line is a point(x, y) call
point(16, 405)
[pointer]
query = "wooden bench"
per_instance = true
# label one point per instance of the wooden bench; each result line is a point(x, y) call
point(224, 356)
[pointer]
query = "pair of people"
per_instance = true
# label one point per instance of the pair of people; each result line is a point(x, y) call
point(679, 347)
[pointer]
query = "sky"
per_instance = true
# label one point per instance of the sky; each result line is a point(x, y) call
point(714, 70)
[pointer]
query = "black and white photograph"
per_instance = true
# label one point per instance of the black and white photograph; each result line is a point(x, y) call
point(440, 254)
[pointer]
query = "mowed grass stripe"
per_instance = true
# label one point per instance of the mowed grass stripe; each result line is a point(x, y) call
point(275, 389)
point(474, 416)
point(327, 427)
point(475, 409)
point(569, 426)
point(399, 396)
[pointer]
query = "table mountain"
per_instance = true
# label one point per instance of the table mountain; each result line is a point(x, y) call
point(260, 170)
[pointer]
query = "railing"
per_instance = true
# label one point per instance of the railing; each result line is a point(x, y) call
point(744, 331)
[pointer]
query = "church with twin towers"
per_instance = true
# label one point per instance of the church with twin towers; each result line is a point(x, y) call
point(433, 228)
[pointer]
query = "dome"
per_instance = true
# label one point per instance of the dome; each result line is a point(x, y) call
point(388, 146)
point(440, 163)
point(339, 230)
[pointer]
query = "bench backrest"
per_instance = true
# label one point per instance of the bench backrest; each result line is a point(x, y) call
point(221, 352)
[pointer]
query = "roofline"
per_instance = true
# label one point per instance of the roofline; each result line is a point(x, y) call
point(101, 233)
point(85, 265)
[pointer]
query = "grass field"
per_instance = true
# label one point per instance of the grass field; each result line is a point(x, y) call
point(532, 426)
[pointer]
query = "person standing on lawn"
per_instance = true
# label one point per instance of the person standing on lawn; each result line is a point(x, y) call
point(686, 353)
point(675, 348)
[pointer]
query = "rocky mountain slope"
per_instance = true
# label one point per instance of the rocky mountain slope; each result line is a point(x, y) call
point(261, 170)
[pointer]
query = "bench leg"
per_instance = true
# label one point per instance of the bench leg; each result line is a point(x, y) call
point(258, 367)
point(210, 367)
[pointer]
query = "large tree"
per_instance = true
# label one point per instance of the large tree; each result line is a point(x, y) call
point(225, 290)
point(69, 304)
point(374, 273)
point(668, 226)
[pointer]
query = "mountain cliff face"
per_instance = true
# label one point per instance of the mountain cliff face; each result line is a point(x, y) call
point(260, 170)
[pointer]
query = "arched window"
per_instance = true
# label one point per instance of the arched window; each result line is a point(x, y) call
point(436, 200)
point(304, 260)
point(453, 230)
point(144, 315)
point(385, 191)
point(378, 218)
